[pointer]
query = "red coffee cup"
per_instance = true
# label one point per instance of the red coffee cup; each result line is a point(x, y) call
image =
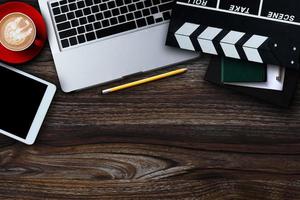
point(19, 56)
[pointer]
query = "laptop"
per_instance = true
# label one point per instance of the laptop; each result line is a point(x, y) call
point(99, 41)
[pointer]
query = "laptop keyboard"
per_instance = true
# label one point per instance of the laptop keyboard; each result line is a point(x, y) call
point(81, 21)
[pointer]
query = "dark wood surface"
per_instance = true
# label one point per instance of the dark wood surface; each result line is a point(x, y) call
point(178, 138)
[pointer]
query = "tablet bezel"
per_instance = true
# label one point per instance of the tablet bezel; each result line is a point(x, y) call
point(41, 112)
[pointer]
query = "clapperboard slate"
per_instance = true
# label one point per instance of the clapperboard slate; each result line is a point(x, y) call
point(263, 31)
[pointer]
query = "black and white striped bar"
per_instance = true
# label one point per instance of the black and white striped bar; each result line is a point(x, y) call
point(205, 40)
point(183, 36)
point(251, 46)
point(229, 43)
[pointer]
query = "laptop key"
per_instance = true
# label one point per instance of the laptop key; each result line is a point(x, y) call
point(154, 10)
point(95, 9)
point(87, 11)
point(150, 20)
point(56, 11)
point(148, 3)
point(97, 25)
point(55, 4)
point(70, 15)
point(78, 13)
point(60, 18)
point(89, 27)
point(80, 4)
point(81, 39)
point(91, 18)
point(80, 29)
point(82, 20)
point(105, 23)
point(64, 9)
point(99, 16)
point(107, 14)
point(115, 29)
point(127, 1)
point(103, 7)
point(138, 14)
point(111, 4)
point(73, 41)
point(146, 12)
point(113, 21)
point(90, 36)
point(67, 33)
point(63, 2)
point(75, 22)
point(141, 22)
point(121, 18)
point(140, 5)
point(123, 9)
point(88, 2)
point(129, 16)
point(73, 6)
point(115, 12)
point(131, 8)
point(120, 3)
point(63, 26)
point(65, 43)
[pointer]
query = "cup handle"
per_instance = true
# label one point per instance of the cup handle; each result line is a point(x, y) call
point(38, 42)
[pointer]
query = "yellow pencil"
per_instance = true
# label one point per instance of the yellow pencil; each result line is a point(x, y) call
point(146, 80)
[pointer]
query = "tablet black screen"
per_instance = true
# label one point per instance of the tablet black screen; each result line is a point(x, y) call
point(19, 101)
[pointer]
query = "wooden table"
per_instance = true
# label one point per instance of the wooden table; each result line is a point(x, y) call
point(179, 138)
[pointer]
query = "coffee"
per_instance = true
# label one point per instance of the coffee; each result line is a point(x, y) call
point(17, 31)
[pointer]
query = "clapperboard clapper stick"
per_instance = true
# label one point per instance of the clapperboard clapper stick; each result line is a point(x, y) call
point(262, 31)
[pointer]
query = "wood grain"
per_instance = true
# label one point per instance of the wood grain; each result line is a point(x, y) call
point(178, 138)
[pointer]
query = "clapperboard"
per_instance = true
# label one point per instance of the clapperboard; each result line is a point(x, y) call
point(262, 31)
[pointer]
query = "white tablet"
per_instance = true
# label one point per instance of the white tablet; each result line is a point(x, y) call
point(24, 102)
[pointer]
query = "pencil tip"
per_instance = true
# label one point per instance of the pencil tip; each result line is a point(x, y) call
point(105, 91)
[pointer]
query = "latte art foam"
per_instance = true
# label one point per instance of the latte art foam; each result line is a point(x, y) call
point(17, 31)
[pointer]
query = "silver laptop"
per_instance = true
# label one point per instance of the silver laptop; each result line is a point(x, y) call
point(98, 41)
